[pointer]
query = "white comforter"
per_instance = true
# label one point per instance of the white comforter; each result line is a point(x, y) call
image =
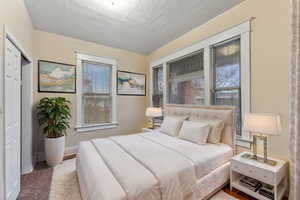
point(149, 166)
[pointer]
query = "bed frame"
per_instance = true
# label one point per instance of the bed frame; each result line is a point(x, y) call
point(224, 113)
point(208, 185)
point(213, 182)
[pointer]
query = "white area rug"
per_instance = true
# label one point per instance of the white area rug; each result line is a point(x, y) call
point(65, 186)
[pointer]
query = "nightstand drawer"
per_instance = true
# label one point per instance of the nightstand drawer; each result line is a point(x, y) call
point(253, 172)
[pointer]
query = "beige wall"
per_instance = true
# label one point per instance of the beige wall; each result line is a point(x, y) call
point(130, 109)
point(269, 56)
point(14, 15)
point(269, 49)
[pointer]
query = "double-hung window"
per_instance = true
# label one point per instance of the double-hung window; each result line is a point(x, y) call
point(226, 77)
point(96, 93)
point(213, 71)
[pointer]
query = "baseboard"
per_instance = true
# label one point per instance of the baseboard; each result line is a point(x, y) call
point(27, 170)
point(71, 150)
point(40, 156)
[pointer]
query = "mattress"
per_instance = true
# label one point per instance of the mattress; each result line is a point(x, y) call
point(146, 166)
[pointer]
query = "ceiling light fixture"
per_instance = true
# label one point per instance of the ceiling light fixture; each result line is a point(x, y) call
point(112, 8)
point(229, 50)
point(123, 6)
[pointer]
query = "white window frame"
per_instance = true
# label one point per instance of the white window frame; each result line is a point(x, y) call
point(241, 31)
point(80, 126)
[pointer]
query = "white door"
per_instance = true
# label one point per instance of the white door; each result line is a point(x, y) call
point(12, 120)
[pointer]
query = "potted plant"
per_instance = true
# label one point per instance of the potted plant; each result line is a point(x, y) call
point(54, 115)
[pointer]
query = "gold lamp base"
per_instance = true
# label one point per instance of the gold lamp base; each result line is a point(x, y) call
point(257, 158)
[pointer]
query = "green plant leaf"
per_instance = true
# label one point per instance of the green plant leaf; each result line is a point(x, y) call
point(54, 115)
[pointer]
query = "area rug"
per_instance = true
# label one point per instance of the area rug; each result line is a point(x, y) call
point(64, 185)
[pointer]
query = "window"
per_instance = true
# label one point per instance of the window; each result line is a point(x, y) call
point(226, 77)
point(186, 80)
point(157, 94)
point(214, 71)
point(95, 93)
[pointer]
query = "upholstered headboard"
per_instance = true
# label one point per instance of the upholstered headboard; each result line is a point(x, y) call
point(225, 113)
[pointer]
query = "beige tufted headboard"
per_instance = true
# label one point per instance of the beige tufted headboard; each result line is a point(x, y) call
point(225, 113)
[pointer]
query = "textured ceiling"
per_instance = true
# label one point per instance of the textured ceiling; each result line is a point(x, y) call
point(137, 25)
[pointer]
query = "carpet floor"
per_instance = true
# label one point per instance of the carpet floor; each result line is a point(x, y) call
point(36, 185)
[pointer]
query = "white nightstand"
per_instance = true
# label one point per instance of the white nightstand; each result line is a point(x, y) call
point(275, 176)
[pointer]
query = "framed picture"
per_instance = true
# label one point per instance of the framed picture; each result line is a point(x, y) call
point(129, 83)
point(56, 77)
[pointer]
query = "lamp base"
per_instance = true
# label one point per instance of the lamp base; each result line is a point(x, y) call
point(259, 159)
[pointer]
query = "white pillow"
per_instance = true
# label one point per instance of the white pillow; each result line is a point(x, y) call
point(196, 132)
point(171, 125)
point(216, 130)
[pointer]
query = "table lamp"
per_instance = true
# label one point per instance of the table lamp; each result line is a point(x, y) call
point(262, 125)
point(153, 112)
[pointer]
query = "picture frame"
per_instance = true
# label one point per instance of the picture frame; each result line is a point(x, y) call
point(56, 77)
point(131, 83)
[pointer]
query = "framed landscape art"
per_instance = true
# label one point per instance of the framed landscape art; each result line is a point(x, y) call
point(130, 83)
point(56, 77)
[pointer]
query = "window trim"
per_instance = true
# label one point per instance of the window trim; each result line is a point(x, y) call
point(80, 127)
point(242, 31)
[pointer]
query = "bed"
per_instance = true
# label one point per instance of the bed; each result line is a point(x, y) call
point(156, 166)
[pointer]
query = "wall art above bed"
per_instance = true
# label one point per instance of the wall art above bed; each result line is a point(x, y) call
point(130, 83)
point(56, 77)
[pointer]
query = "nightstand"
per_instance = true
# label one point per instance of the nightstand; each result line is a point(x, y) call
point(275, 176)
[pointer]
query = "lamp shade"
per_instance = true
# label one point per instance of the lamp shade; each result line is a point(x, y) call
point(265, 123)
point(153, 112)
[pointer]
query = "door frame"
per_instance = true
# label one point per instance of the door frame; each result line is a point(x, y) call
point(7, 34)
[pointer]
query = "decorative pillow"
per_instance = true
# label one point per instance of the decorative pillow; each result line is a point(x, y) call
point(171, 125)
point(216, 130)
point(196, 132)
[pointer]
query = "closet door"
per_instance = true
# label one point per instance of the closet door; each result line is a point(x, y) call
point(12, 120)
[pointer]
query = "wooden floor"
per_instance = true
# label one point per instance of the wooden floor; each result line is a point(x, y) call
point(237, 194)
point(240, 195)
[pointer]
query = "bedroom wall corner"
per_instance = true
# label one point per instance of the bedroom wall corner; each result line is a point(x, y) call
point(58, 48)
point(269, 54)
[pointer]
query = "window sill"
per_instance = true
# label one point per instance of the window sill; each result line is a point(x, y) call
point(87, 128)
point(243, 142)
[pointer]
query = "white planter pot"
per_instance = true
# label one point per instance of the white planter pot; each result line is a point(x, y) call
point(54, 150)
